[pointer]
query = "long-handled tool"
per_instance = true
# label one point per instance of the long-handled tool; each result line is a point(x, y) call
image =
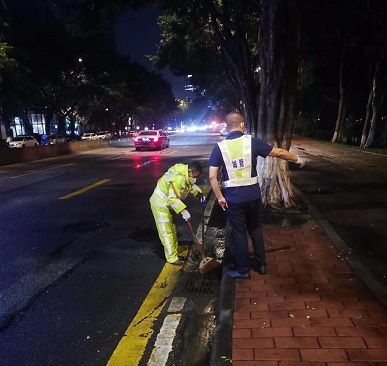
point(206, 263)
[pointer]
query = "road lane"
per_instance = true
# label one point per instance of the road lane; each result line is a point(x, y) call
point(80, 268)
point(130, 350)
point(84, 189)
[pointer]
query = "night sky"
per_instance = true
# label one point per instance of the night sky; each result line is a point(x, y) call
point(137, 35)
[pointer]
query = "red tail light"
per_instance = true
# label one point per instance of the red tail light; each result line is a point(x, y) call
point(155, 139)
point(136, 139)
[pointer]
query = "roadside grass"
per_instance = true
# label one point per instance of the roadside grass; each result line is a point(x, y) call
point(379, 151)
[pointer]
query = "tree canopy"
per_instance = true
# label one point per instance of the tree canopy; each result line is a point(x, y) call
point(316, 66)
point(68, 66)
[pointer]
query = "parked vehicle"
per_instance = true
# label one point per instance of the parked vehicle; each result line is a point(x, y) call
point(23, 141)
point(132, 133)
point(103, 135)
point(89, 136)
point(153, 139)
point(73, 137)
point(55, 139)
point(223, 132)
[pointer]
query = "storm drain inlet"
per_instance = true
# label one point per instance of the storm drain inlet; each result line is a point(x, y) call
point(198, 284)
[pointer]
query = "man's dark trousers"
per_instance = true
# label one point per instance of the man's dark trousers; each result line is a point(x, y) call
point(246, 217)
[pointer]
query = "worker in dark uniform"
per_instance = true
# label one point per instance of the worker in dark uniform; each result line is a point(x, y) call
point(237, 157)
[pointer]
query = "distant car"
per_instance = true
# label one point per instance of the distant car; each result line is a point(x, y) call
point(89, 136)
point(151, 139)
point(73, 137)
point(223, 132)
point(132, 133)
point(55, 139)
point(102, 135)
point(23, 141)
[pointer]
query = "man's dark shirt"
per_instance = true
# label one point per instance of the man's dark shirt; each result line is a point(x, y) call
point(243, 193)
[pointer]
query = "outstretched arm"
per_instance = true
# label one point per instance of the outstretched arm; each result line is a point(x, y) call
point(286, 155)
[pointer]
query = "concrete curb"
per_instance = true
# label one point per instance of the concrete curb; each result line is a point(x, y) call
point(221, 350)
point(10, 156)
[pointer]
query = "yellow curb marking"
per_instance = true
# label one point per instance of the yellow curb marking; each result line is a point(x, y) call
point(131, 348)
point(84, 189)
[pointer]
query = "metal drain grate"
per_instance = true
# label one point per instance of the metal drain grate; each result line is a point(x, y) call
point(198, 284)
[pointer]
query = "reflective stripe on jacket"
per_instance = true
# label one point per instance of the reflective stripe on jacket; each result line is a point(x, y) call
point(173, 187)
point(236, 154)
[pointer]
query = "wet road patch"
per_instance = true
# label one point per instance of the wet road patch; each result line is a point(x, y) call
point(144, 236)
point(321, 190)
point(85, 227)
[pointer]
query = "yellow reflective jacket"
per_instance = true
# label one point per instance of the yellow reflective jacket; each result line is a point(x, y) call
point(172, 188)
point(236, 155)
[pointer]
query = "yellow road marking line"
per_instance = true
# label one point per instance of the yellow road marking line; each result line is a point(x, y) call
point(131, 348)
point(171, 152)
point(84, 189)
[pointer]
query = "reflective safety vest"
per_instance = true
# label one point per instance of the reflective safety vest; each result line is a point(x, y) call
point(173, 187)
point(236, 155)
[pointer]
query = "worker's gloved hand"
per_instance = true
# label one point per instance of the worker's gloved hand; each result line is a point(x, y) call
point(195, 189)
point(186, 215)
point(300, 161)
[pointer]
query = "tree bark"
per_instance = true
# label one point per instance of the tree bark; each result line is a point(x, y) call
point(341, 111)
point(377, 97)
point(236, 51)
point(366, 119)
point(279, 44)
point(47, 119)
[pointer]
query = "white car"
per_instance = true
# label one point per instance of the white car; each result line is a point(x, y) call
point(89, 136)
point(23, 141)
point(102, 135)
point(151, 139)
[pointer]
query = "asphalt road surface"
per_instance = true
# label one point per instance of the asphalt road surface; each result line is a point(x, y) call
point(79, 249)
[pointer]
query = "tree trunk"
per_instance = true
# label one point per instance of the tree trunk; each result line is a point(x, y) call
point(26, 123)
point(6, 120)
point(366, 119)
point(279, 44)
point(341, 111)
point(61, 123)
point(72, 124)
point(47, 121)
point(377, 97)
point(236, 52)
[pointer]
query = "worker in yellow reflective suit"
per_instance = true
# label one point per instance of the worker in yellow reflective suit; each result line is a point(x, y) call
point(171, 189)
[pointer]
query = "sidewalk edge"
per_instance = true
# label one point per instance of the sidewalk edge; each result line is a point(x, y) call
point(221, 350)
point(364, 274)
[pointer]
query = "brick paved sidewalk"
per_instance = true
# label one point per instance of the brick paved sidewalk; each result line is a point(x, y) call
point(309, 310)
